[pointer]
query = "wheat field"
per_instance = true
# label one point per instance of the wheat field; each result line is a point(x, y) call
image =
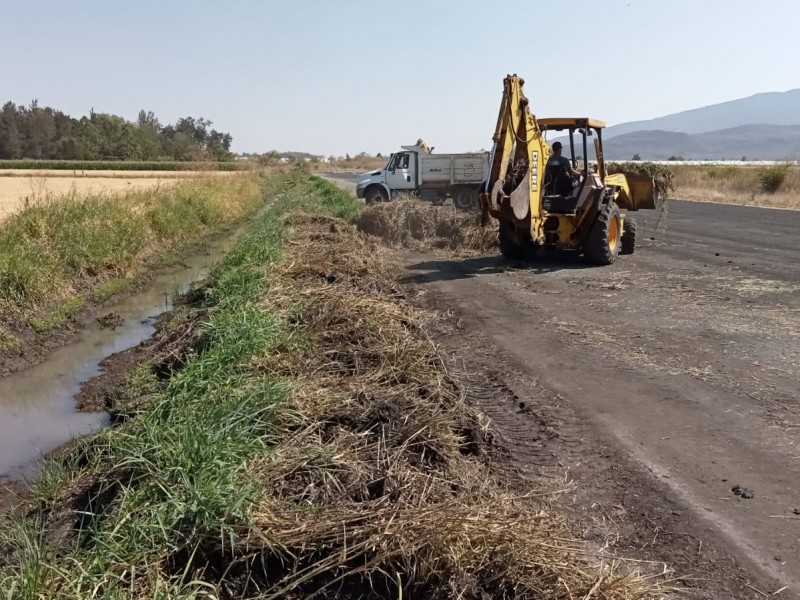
point(17, 187)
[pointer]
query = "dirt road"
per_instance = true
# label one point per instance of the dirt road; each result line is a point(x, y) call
point(666, 384)
point(690, 367)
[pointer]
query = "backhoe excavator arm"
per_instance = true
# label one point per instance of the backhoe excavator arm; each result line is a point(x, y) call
point(518, 159)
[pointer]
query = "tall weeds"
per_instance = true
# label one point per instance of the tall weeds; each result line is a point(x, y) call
point(57, 250)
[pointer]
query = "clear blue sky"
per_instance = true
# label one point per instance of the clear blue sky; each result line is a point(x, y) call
point(369, 75)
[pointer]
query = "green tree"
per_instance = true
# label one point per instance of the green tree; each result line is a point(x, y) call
point(10, 141)
point(38, 128)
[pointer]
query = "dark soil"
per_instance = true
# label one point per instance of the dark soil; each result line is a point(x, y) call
point(166, 350)
point(110, 321)
point(621, 509)
point(102, 393)
point(650, 453)
point(12, 492)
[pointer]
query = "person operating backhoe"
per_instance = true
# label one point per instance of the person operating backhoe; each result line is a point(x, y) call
point(562, 161)
point(560, 173)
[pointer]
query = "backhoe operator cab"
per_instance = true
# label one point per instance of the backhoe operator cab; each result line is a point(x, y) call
point(539, 201)
point(564, 193)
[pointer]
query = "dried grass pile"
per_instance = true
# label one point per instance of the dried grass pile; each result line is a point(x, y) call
point(419, 225)
point(380, 487)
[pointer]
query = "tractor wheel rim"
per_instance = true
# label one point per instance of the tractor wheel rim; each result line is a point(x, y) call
point(613, 234)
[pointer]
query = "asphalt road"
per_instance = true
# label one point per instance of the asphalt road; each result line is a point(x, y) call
point(761, 241)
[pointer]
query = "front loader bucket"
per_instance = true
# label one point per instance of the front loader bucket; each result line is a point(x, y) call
point(634, 192)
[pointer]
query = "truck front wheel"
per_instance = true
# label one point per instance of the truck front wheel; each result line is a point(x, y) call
point(375, 194)
point(465, 199)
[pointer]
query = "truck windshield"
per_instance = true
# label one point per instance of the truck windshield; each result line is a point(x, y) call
point(389, 162)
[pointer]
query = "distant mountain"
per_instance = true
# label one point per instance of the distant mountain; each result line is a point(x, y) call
point(761, 127)
point(772, 108)
point(756, 142)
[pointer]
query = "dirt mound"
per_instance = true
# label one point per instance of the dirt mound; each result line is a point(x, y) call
point(419, 225)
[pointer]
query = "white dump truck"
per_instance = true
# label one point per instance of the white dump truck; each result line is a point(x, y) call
point(416, 170)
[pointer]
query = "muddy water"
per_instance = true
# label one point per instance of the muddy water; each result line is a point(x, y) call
point(37, 406)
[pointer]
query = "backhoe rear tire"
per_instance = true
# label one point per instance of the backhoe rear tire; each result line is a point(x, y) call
point(628, 243)
point(603, 242)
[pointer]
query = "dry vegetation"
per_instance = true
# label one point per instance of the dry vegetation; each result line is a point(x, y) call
point(415, 224)
point(383, 482)
point(735, 185)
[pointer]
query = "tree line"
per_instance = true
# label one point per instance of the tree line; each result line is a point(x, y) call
point(37, 132)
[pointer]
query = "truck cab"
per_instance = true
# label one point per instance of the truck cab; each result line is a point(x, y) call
point(397, 176)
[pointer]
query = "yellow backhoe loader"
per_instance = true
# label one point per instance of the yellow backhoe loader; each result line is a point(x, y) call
point(539, 202)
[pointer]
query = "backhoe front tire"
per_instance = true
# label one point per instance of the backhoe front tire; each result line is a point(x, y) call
point(375, 194)
point(604, 240)
point(628, 243)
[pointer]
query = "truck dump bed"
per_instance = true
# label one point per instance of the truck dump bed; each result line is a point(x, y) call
point(452, 169)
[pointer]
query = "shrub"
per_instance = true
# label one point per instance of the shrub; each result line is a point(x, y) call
point(720, 172)
point(771, 178)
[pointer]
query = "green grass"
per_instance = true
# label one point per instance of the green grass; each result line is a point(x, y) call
point(720, 172)
point(169, 259)
point(112, 287)
point(8, 342)
point(175, 474)
point(55, 251)
point(118, 165)
point(57, 316)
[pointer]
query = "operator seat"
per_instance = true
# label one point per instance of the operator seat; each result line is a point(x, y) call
point(557, 181)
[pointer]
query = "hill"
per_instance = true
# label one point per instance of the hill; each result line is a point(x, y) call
point(760, 141)
point(761, 127)
point(771, 108)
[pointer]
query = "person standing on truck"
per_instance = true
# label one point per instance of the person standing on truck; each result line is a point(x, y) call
point(559, 173)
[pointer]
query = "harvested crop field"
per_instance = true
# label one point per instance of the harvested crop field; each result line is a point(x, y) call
point(19, 186)
point(294, 432)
